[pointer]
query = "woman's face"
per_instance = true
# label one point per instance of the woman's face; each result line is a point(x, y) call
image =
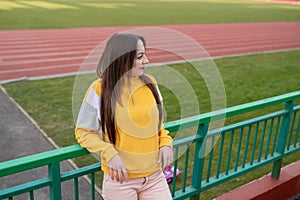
point(140, 60)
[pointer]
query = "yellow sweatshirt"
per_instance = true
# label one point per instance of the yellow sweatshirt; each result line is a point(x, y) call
point(137, 119)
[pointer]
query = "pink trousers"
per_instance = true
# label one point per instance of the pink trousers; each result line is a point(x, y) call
point(147, 188)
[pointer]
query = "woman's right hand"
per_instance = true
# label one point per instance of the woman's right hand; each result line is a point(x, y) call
point(117, 169)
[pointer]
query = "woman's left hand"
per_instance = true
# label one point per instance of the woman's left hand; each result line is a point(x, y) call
point(165, 154)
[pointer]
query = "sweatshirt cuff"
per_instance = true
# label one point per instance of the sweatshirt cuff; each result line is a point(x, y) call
point(169, 143)
point(166, 141)
point(109, 153)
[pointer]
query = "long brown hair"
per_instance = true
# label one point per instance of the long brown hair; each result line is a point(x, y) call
point(115, 64)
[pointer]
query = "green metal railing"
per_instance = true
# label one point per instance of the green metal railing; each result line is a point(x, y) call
point(207, 158)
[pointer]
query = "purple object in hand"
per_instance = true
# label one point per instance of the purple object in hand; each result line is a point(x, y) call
point(169, 173)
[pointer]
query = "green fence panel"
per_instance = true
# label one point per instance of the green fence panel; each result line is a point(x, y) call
point(235, 149)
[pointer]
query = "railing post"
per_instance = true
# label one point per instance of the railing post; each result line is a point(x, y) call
point(282, 139)
point(54, 176)
point(199, 160)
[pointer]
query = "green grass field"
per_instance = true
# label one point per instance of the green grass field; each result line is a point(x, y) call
point(34, 14)
point(246, 79)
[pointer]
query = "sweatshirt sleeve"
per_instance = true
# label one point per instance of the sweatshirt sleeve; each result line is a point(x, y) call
point(164, 138)
point(88, 132)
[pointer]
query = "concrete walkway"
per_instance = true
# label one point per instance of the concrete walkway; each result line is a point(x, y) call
point(19, 138)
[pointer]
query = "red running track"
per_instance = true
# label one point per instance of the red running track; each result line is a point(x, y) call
point(39, 53)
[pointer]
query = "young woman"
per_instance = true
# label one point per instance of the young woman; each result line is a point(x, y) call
point(121, 120)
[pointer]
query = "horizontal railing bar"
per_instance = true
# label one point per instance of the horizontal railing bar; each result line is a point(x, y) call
point(296, 108)
point(291, 150)
point(23, 188)
point(188, 193)
point(41, 159)
point(229, 112)
point(80, 172)
point(245, 123)
point(213, 181)
point(187, 140)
